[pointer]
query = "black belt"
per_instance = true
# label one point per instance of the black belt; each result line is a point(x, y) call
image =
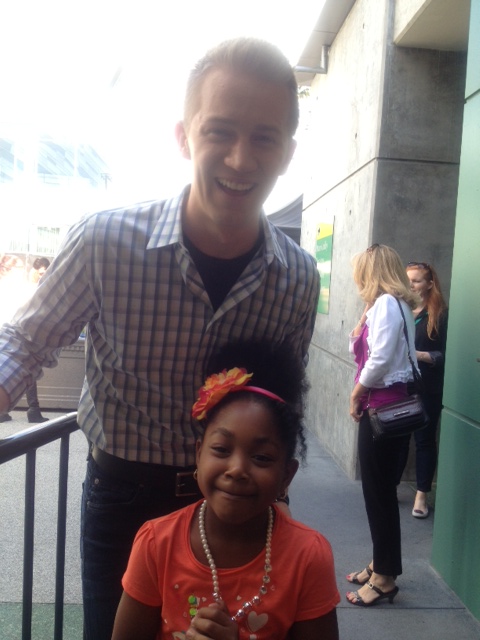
point(180, 479)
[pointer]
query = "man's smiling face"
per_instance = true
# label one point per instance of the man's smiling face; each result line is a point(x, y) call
point(239, 143)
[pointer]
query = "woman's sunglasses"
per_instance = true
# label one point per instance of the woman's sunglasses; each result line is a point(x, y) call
point(421, 265)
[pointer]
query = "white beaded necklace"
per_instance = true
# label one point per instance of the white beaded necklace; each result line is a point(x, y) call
point(267, 568)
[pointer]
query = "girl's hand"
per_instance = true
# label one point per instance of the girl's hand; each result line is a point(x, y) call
point(213, 623)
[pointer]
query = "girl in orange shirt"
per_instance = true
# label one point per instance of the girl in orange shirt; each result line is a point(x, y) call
point(235, 565)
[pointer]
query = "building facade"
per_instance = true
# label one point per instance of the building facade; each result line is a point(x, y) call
point(386, 153)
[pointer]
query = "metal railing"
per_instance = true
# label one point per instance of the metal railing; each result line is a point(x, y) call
point(25, 443)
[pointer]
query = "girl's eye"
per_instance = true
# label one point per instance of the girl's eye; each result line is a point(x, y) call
point(263, 458)
point(219, 449)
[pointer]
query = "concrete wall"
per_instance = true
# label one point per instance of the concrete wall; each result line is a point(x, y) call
point(385, 146)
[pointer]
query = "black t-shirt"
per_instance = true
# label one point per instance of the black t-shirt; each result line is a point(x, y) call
point(220, 274)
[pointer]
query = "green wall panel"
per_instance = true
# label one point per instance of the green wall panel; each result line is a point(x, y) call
point(456, 535)
point(462, 372)
point(456, 538)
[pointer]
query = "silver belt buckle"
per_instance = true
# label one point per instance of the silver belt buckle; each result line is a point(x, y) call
point(186, 485)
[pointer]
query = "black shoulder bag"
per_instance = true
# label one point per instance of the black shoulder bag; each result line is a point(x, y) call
point(403, 416)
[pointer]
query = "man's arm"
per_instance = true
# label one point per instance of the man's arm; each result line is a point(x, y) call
point(53, 318)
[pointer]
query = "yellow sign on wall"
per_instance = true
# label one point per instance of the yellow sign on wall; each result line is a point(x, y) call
point(323, 255)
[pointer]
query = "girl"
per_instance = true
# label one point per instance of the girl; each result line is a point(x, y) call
point(234, 565)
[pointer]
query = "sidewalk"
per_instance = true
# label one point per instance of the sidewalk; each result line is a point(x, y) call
point(425, 608)
point(321, 496)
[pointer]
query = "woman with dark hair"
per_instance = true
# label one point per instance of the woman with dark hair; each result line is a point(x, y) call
point(383, 371)
point(431, 318)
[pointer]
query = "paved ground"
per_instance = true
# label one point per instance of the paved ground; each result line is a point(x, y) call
point(322, 496)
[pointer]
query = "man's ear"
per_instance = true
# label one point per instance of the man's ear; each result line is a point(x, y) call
point(182, 140)
point(292, 145)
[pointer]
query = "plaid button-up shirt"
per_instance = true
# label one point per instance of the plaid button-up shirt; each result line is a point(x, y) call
point(126, 275)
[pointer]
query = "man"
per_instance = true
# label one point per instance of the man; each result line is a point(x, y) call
point(15, 288)
point(160, 287)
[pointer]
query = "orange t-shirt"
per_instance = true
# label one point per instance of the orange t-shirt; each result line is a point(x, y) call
point(163, 572)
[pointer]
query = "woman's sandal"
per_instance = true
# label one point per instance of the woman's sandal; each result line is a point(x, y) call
point(352, 577)
point(381, 596)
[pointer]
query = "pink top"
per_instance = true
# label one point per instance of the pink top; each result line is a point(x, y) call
point(374, 397)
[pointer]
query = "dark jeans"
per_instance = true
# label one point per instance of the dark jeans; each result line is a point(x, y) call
point(378, 465)
point(112, 513)
point(425, 446)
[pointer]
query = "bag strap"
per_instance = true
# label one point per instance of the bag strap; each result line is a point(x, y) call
point(417, 378)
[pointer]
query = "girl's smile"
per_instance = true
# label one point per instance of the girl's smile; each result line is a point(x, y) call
point(242, 465)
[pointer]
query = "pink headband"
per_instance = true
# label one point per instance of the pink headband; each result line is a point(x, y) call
point(263, 392)
point(218, 385)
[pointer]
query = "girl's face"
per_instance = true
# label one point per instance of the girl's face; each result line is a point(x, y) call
point(242, 465)
point(419, 282)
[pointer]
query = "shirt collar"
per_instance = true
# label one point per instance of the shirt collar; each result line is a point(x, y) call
point(272, 246)
point(168, 229)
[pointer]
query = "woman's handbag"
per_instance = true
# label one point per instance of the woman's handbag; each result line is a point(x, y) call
point(398, 418)
point(402, 417)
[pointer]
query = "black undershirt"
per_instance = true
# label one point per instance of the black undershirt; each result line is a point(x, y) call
point(220, 274)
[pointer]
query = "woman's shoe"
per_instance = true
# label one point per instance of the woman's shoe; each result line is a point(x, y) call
point(381, 596)
point(352, 577)
point(420, 506)
point(421, 513)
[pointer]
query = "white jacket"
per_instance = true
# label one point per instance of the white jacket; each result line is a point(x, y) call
point(387, 361)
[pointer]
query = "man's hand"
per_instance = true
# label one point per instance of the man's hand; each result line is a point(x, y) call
point(213, 623)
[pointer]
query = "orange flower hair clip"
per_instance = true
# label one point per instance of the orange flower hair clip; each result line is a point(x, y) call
point(218, 385)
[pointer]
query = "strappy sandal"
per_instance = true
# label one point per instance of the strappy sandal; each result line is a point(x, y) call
point(359, 602)
point(352, 577)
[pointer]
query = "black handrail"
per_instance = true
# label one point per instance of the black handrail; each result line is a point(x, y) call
point(26, 443)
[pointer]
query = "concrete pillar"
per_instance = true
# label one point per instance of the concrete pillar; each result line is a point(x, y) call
point(384, 155)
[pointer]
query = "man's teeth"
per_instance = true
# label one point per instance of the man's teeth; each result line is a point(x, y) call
point(235, 186)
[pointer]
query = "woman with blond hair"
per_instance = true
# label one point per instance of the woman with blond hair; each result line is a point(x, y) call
point(383, 371)
point(430, 341)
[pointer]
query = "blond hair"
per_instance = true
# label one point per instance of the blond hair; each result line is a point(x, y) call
point(248, 55)
point(379, 270)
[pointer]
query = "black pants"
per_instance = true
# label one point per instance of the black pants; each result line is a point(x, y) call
point(425, 445)
point(379, 464)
